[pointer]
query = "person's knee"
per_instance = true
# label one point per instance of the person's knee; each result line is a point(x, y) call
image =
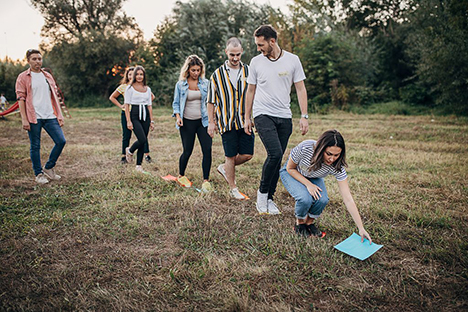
point(186, 154)
point(305, 200)
point(35, 146)
point(206, 150)
point(62, 142)
point(275, 157)
point(323, 201)
point(230, 161)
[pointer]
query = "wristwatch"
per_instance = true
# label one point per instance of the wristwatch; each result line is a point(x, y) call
point(305, 116)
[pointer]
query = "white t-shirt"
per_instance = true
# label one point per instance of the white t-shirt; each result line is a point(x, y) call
point(41, 96)
point(233, 73)
point(273, 82)
point(2, 99)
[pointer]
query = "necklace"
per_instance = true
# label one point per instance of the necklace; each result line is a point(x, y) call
point(274, 60)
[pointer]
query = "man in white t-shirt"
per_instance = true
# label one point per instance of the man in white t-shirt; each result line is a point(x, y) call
point(271, 76)
point(39, 108)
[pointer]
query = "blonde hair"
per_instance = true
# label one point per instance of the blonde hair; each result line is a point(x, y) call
point(192, 60)
point(125, 79)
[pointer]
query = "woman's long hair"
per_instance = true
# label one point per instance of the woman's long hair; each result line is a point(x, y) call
point(327, 139)
point(192, 60)
point(125, 79)
point(137, 68)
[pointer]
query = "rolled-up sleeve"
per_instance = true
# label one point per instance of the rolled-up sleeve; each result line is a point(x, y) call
point(20, 88)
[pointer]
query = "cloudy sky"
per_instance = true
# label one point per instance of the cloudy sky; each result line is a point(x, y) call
point(20, 24)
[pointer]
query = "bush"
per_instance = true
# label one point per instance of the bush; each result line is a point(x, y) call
point(335, 64)
point(415, 94)
point(392, 108)
point(88, 101)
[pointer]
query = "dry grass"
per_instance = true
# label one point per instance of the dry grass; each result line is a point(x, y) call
point(106, 238)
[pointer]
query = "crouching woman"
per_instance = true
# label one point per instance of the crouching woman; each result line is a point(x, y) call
point(303, 177)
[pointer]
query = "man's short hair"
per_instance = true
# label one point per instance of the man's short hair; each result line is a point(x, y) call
point(31, 51)
point(267, 32)
point(234, 42)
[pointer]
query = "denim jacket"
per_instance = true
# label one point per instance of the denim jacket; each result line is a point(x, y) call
point(180, 98)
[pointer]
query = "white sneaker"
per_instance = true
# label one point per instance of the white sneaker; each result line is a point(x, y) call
point(50, 173)
point(272, 208)
point(262, 203)
point(140, 169)
point(238, 195)
point(128, 155)
point(41, 179)
point(222, 171)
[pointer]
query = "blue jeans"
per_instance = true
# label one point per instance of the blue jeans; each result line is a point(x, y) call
point(274, 133)
point(306, 205)
point(54, 130)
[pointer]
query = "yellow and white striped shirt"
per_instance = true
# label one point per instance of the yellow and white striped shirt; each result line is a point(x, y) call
point(229, 100)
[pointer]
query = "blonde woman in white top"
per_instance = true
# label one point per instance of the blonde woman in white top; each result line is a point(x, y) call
point(138, 113)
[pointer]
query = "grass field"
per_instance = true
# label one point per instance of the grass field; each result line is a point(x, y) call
point(106, 238)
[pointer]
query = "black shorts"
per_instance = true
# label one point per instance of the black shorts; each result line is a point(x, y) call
point(238, 142)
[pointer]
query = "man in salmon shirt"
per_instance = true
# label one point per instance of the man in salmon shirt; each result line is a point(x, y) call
point(37, 97)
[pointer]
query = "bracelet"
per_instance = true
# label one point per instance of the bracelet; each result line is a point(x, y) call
point(152, 121)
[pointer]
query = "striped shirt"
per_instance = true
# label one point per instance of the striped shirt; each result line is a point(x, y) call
point(228, 99)
point(302, 154)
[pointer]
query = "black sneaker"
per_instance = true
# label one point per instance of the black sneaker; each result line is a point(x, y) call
point(148, 159)
point(314, 231)
point(123, 161)
point(301, 230)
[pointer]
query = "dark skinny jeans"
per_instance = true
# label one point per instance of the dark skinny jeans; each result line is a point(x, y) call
point(274, 133)
point(127, 134)
point(141, 129)
point(187, 134)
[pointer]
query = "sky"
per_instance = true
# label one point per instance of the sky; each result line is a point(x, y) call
point(20, 23)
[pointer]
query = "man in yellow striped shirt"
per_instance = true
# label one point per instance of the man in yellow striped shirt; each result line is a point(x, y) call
point(226, 106)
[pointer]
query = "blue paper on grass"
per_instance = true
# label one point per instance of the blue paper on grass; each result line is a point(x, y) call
point(353, 247)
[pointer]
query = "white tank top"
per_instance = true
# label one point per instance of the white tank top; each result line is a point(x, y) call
point(192, 110)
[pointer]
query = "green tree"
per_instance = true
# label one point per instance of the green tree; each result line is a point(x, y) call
point(338, 65)
point(439, 48)
point(380, 25)
point(87, 43)
point(201, 27)
point(9, 71)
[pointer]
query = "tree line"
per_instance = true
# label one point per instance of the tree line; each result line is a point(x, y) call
point(354, 52)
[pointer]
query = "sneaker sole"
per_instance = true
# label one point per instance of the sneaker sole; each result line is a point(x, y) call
point(261, 212)
point(183, 185)
point(50, 177)
point(322, 236)
point(225, 179)
point(311, 235)
point(128, 156)
point(274, 213)
point(244, 198)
